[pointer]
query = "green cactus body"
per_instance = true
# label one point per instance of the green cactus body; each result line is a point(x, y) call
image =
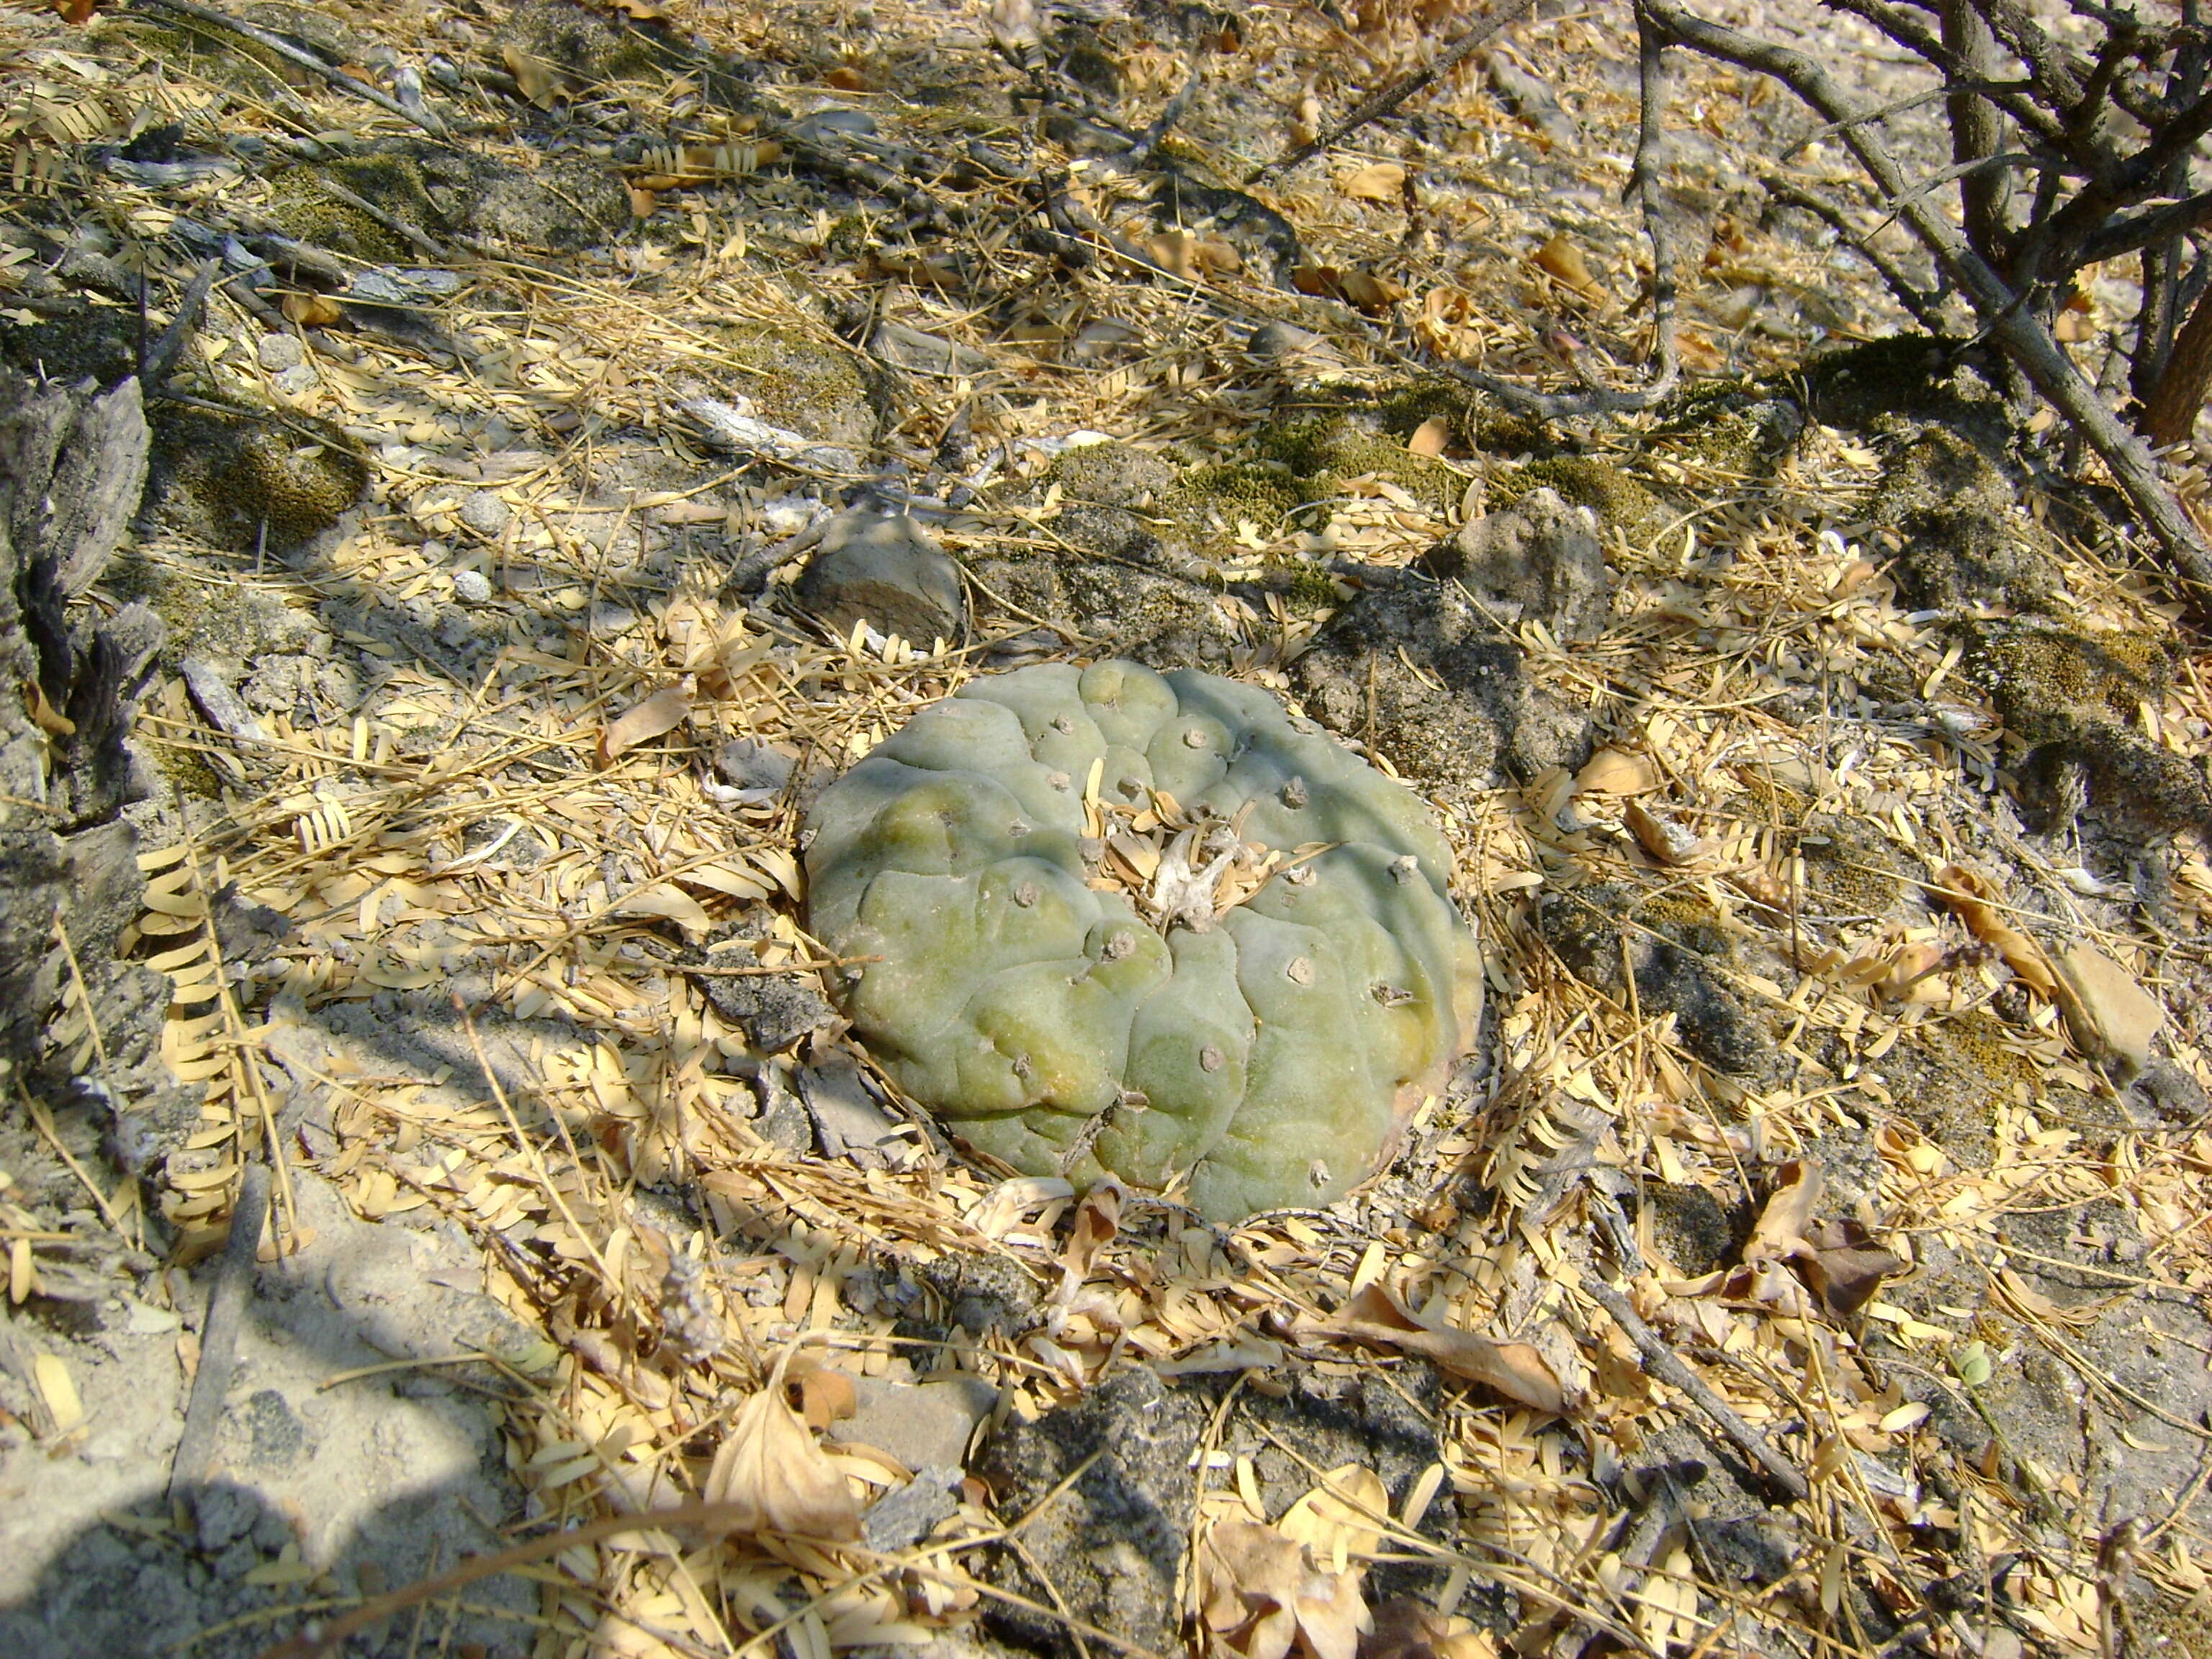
point(1241, 965)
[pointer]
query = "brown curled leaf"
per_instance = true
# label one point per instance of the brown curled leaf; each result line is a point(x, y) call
point(1843, 1266)
point(1788, 1211)
point(1262, 1595)
point(1668, 841)
point(822, 1396)
point(1967, 896)
point(1561, 260)
point(1513, 1368)
point(1098, 1218)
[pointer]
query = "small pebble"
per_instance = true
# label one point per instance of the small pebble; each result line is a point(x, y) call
point(471, 586)
point(485, 513)
point(745, 764)
point(298, 378)
point(278, 352)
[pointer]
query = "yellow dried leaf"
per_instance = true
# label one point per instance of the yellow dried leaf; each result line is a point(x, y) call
point(1668, 841)
point(1340, 1517)
point(312, 310)
point(537, 79)
point(1967, 896)
point(1562, 260)
point(825, 1396)
point(1175, 252)
point(670, 904)
point(1365, 291)
point(1382, 182)
point(1261, 1593)
point(58, 1391)
point(1788, 1211)
point(1098, 1218)
point(1617, 772)
point(1430, 437)
point(726, 878)
point(1361, 288)
point(1964, 893)
point(660, 714)
point(775, 1477)
point(43, 714)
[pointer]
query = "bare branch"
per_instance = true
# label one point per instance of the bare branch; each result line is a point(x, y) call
point(2049, 64)
point(307, 61)
point(1917, 38)
point(1661, 228)
point(1390, 97)
point(2009, 322)
point(1976, 133)
point(1926, 307)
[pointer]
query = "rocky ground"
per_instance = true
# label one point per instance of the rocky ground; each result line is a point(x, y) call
point(474, 475)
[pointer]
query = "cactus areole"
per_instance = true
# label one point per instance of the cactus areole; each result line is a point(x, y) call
point(1145, 925)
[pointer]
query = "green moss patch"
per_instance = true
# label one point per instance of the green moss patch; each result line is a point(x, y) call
point(1618, 499)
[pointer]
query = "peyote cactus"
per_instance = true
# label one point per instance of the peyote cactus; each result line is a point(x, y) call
point(1145, 925)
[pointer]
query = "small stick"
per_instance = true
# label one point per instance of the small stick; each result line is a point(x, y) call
point(425, 242)
point(160, 359)
point(1668, 1368)
point(306, 60)
point(1390, 97)
point(1177, 106)
point(219, 1336)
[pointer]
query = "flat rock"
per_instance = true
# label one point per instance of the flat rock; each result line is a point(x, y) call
point(850, 1123)
point(887, 571)
point(918, 353)
point(2107, 1010)
point(743, 764)
point(923, 1425)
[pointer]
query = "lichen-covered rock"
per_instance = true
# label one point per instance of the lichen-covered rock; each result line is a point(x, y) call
point(1145, 925)
point(1438, 685)
point(1536, 561)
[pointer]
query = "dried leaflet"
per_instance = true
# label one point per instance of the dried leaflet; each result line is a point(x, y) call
point(1666, 841)
point(1098, 1218)
point(1562, 260)
point(1374, 1317)
point(537, 80)
point(1263, 1597)
point(1618, 772)
point(1341, 1517)
point(1380, 182)
point(1430, 437)
point(1363, 290)
point(825, 1396)
point(774, 1476)
point(658, 715)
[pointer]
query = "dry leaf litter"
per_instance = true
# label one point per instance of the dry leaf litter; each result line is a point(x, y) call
point(1792, 766)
